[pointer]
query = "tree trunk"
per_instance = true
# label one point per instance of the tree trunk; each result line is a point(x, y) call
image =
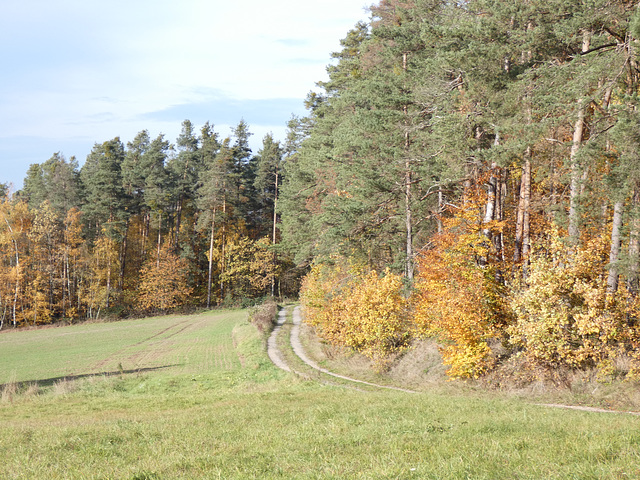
point(578, 135)
point(614, 253)
point(65, 281)
point(178, 221)
point(408, 223)
point(634, 244)
point(108, 278)
point(502, 195)
point(522, 242)
point(490, 206)
point(145, 234)
point(273, 235)
point(17, 285)
point(409, 263)
point(223, 252)
point(159, 239)
point(123, 256)
point(211, 242)
point(440, 206)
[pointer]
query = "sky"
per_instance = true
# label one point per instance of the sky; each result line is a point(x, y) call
point(78, 72)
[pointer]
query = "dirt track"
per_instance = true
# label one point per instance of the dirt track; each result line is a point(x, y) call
point(272, 347)
point(296, 345)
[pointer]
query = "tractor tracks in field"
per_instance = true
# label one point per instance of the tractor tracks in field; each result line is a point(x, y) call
point(161, 336)
point(276, 356)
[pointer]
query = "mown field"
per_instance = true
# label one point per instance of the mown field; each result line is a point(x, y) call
point(196, 398)
point(178, 344)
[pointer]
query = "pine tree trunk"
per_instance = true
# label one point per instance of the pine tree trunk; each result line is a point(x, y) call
point(526, 221)
point(490, 206)
point(178, 222)
point(521, 249)
point(578, 135)
point(440, 207)
point(273, 236)
point(66, 284)
point(108, 279)
point(500, 216)
point(147, 230)
point(223, 252)
point(159, 239)
point(211, 242)
point(408, 224)
point(409, 268)
point(634, 244)
point(614, 253)
point(123, 256)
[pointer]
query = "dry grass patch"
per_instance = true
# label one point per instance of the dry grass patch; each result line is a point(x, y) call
point(264, 317)
point(420, 366)
point(9, 391)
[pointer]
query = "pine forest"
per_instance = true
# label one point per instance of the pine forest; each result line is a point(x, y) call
point(469, 172)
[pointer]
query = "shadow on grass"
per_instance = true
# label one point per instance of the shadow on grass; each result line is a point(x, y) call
point(48, 382)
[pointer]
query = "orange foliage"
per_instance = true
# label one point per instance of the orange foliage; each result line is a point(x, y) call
point(457, 296)
point(163, 282)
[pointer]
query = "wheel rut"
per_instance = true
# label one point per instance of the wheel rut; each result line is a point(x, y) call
point(277, 358)
point(272, 346)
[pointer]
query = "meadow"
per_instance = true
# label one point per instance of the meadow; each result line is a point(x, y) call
point(196, 397)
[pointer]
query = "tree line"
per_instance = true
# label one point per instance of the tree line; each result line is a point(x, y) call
point(469, 171)
point(486, 154)
point(144, 227)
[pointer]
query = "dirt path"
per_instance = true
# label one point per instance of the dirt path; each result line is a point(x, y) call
point(296, 345)
point(272, 346)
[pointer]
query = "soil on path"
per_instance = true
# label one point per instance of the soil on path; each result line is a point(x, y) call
point(296, 345)
point(272, 347)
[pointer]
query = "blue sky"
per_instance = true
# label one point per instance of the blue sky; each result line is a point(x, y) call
point(77, 72)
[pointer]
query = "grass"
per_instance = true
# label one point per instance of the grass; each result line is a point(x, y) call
point(221, 410)
point(186, 344)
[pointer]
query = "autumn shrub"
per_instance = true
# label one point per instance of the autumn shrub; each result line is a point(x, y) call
point(458, 297)
point(565, 317)
point(358, 309)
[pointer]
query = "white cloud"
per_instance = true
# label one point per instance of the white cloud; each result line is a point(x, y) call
point(84, 71)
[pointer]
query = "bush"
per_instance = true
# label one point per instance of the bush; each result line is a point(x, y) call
point(458, 298)
point(364, 311)
point(264, 316)
point(566, 317)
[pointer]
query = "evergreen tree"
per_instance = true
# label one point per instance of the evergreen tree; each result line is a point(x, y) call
point(56, 181)
point(105, 203)
point(184, 170)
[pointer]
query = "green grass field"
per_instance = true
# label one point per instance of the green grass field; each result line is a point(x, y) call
point(197, 398)
point(178, 344)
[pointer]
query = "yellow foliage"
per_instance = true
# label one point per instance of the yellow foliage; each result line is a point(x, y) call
point(357, 309)
point(250, 265)
point(565, 316)
point(163, 282)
